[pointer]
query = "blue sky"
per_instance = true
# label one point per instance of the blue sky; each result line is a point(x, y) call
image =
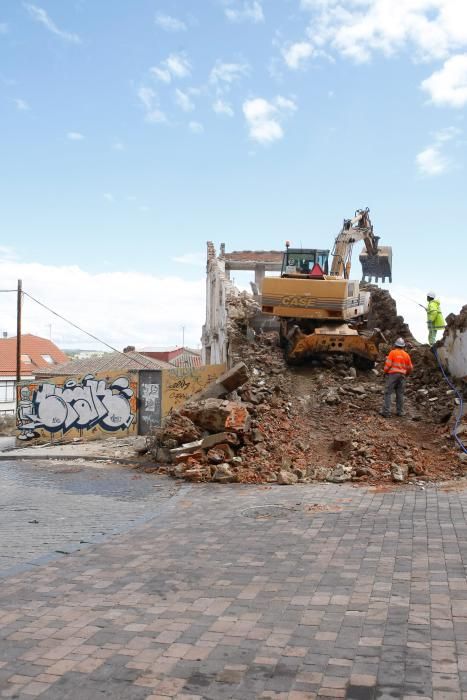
point(132, 132)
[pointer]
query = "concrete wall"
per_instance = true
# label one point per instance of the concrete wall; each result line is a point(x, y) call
point(453, 353)
point(182, 382)
point(214, 336)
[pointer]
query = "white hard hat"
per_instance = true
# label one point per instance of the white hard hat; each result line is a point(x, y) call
point(400, 343)
point(432, 295)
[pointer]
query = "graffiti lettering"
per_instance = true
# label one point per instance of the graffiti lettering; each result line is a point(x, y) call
point(81, 405)
point(181, 384)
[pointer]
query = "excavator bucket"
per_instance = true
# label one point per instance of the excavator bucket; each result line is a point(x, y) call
point(377, 267)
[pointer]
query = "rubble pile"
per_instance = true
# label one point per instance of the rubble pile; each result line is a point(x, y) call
point(241, 308)
point(457, 322)
point(318, 422)
point(383, 315)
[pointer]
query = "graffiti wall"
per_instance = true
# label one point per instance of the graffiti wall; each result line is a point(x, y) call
point(90, 407)
point(181, 383)
point(95, 407)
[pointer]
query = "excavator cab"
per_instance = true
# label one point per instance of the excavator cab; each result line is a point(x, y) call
point(305, 263)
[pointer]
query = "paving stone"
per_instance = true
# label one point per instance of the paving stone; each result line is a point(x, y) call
point(367, 603)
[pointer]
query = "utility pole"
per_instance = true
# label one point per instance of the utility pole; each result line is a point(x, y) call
point(18, 331)
point(183, 336)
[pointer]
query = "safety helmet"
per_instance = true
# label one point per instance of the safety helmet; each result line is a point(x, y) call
point(400, 343)
point(431, 295)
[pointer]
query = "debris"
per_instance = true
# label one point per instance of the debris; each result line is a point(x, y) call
point(288, 425)
point(225, 384)
point(223, 474)
point(285, 478)
point(340, 474)
point(399, 472)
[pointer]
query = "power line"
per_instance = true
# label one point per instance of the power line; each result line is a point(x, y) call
point(94, 337)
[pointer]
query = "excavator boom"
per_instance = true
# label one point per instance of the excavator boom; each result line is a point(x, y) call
point(376, 261)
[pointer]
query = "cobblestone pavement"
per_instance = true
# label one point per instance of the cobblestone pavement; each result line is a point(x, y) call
point(316, 591)
point(47, 506)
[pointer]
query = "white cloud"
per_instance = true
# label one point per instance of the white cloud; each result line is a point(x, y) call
point(118, 146)
point(170, 24)
point(223, 107)
point(38, 14)
point(429, 30)
point(3, 28)
point(109, 197)
point(179, 65)
point(447, 134)
point(448, 86)
point(196, 127)
point(433, 159)
point(144, 208)
point(131, 296)
point(285, 104)
point(228, 72)
point(149, 100)
point(176, 65)
point(245, 11)
point(161, 74)
point(74, 136)
point(357, 28)
point(264, 118)
point(297, 54)
point(184, 101)
point(21, 105)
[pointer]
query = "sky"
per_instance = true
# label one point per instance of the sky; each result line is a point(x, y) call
point(134, 132)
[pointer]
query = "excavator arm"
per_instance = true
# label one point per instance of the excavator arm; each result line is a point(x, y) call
point(376, 261)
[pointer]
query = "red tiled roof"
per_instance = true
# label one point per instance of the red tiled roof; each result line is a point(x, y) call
point(35, 348)
point(187, 358)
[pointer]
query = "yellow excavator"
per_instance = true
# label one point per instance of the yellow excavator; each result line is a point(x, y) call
point(322, 310)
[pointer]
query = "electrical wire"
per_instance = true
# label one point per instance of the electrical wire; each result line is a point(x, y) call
point(461, 402)
point(94, 337)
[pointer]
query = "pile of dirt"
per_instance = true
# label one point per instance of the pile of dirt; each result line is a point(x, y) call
point(383, 315)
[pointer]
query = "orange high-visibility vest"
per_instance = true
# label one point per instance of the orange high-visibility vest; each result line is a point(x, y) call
point(398, 362)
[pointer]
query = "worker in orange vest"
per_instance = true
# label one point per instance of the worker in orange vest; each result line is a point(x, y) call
point(396, 368)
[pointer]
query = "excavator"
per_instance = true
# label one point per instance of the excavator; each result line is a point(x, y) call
point(322, 310)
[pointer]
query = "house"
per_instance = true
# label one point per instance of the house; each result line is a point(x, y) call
point(176, 356)
point(128, 361)
point(36, 353)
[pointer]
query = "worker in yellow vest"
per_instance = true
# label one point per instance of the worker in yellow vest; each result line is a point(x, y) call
point(434, 317)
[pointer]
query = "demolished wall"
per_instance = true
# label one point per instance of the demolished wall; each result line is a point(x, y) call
point(214, 335)
point(453, 347)
point(228, 312)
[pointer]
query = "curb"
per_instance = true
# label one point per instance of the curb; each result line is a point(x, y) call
point(4, 457)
